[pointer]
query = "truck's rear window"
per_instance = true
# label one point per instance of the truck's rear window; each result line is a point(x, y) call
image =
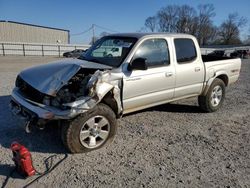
point(185, 50)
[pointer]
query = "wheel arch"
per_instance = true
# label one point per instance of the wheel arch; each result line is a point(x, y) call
point(224, 78)
point(220, 75)
point(109, 100)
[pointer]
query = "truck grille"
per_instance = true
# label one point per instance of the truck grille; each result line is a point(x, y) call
point(28, 91)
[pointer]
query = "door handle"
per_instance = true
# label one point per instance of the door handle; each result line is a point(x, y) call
point(168, 74)
point(197, 69)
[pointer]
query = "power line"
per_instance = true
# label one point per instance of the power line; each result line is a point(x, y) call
point(92, 28)
point(104, 28)
point(83, 32)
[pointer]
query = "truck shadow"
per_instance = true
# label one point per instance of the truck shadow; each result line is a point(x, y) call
point(49, 140)
point(12, 129)
point(177, 108)
point(171, 108)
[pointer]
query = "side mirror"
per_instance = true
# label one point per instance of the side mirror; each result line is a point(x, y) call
point(138, 64)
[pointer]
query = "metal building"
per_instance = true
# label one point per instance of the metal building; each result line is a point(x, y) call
point(28, 33)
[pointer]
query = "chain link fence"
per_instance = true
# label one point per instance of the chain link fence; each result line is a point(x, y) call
point(36, 49)
point(30, 49)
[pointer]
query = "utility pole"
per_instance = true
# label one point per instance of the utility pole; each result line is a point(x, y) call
point(93, 32)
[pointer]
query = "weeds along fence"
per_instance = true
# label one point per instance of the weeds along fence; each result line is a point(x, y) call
point(37, 49)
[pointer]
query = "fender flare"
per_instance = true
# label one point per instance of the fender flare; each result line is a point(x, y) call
point(210, 81)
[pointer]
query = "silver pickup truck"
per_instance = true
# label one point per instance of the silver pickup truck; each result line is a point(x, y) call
point(85, 96)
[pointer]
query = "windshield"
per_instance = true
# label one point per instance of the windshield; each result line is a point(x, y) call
point(110, 50)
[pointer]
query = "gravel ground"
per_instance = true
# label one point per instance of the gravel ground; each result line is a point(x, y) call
point(173, 145)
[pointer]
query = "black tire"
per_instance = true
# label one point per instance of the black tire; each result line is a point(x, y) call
point(70, 132)
point(205, 102)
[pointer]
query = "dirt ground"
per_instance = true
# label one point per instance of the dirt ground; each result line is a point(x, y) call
point(172, 145)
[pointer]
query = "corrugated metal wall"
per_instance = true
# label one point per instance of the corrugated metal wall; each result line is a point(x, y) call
point(15, 32)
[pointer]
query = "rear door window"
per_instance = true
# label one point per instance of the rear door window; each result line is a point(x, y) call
point(185, 50)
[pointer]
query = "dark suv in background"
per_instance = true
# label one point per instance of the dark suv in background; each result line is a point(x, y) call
point(241, 54)
point(75, 53)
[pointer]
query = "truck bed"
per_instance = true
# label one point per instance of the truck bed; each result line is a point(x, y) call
point(207, 58)
point(222, 65)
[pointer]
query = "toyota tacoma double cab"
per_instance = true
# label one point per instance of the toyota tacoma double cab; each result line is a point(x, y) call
point(86, 96)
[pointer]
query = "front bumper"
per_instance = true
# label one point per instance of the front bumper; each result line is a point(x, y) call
point(30, 109)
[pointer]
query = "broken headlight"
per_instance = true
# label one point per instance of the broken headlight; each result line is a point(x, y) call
point(91, 85)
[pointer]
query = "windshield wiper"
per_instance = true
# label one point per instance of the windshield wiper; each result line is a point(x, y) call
point(92, 59)
point(82, 58)
point(95, 60)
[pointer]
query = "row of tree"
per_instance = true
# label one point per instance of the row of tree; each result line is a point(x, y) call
point(198, 22)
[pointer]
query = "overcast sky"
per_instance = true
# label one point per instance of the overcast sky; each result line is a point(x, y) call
point(121, 16)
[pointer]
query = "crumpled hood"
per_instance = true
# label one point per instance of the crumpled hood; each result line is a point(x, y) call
point(49, 78)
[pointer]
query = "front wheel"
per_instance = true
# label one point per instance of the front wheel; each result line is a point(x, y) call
point(214, 98)
point(91, 130)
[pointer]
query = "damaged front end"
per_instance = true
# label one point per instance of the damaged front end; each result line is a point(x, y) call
point(62, 91)
point(99, 84)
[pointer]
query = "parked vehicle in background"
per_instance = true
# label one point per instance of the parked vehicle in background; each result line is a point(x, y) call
point(217, 53)
point(87, 95)
point(244, 54)
point(107, 51)
point(75, 53)
point(113, 52)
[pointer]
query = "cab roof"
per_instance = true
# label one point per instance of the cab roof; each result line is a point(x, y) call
point(141, 35)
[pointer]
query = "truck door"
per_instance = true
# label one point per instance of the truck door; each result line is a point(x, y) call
point(145, 88)
point(189, 68)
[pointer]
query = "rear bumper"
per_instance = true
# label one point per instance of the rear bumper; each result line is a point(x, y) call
point(29, 109)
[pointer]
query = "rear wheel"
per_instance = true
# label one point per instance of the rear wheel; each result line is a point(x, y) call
point(91, 130)
point(214, 98)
